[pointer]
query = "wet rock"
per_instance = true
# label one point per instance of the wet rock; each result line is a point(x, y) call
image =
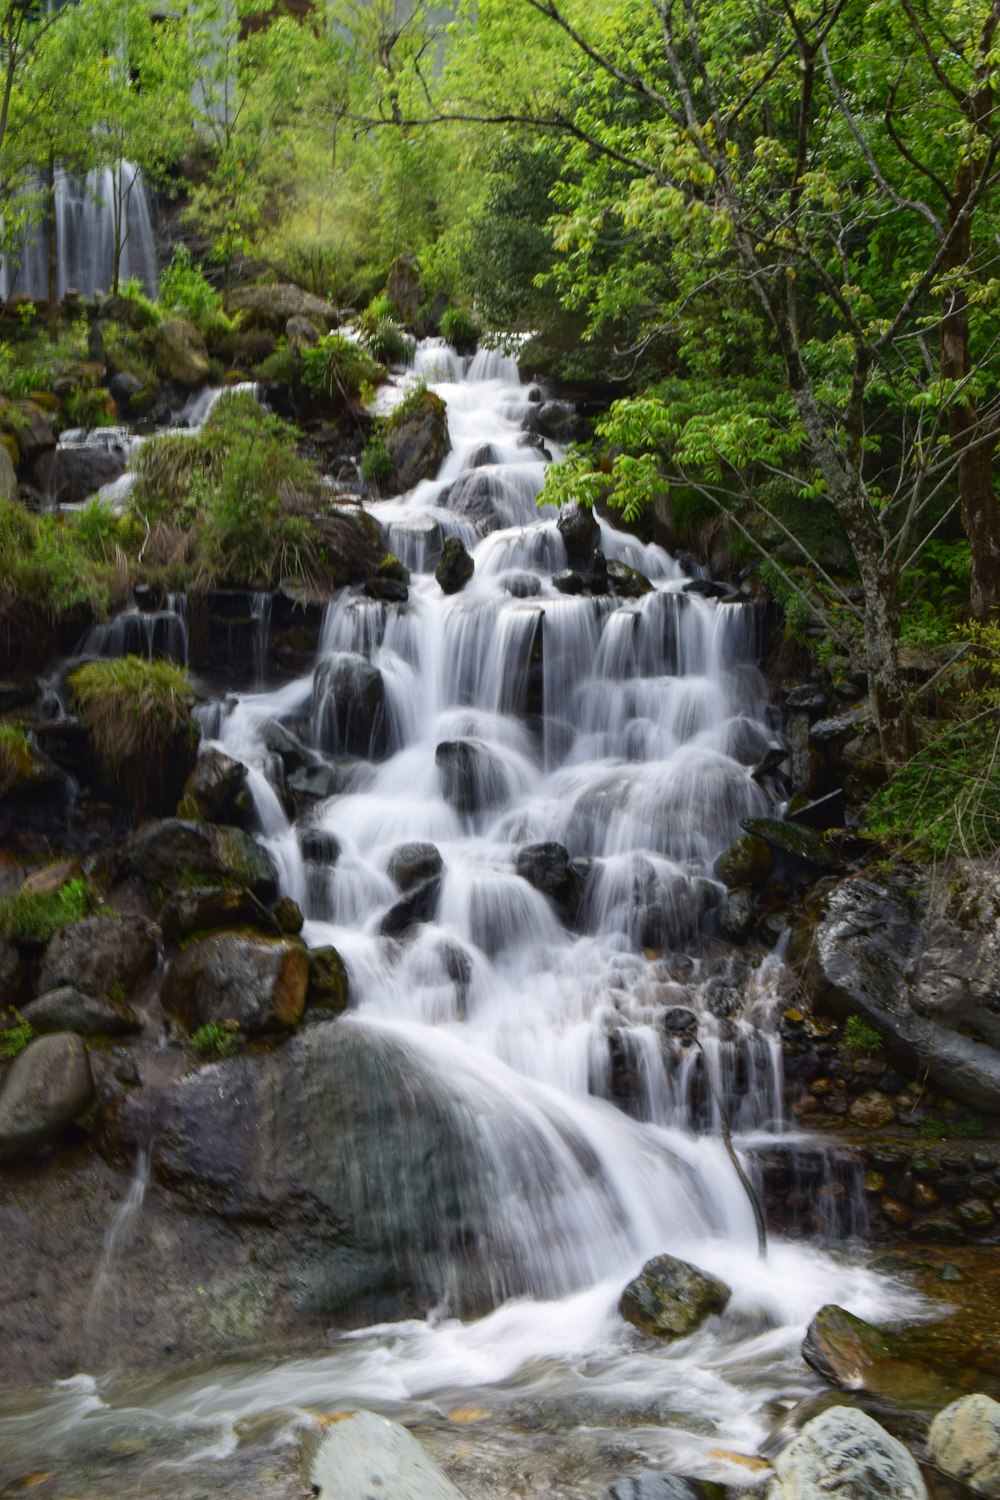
point(964, 1441)
point(320, 845)
point(736, 916)
point(974, 1215)
point(771, 761)
point(829, 732)
point(207, 908)
point(34, 432)
point(217, 788)
point(522, 585)
point(180, 354)
point(567, 581)
point(474, 495)
point(416, 439)
point(808, 699)
point(821, 814)
point(472, 776)
point(872, 1111)
point(412, 864)
point(389, 590)
point(677, 1020)
point(597, 574)
point(850, 1353)
point(168, 852)
point(366, 1454)
point(329, 987)
point(801, 843)
point(287, 917)
point(349, 697)
point(68, 1009)
point(315, 782)
point(708, 588)
point(581, 535)
point(455, 568)
point(549, 869)
point(68, 476)
point(98, 954)
point(844, 1455)
point(625, 582)
point(271, 307)
point(420, 904)
point(902, 955)
point(258, 982)
point(47, 1087)
point(747, 861)
point(670, 1298)
point(650, 1486)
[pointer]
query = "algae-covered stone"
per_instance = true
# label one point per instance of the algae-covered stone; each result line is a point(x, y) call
point(257, 982)
point(455, 568)
point(747, 861)
point(329, 989)
point(670, 1298)
point(964, 1441)
point(170, 851)
point(48, 1087)
point(180, 353)
point(626, 582)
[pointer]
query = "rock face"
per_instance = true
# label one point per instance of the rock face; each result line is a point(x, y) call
point(180, 353)
point(169, 851)
point(46, 1089)
point(98, 954)
point(416, 439)
point(257, 982)
point(964, 1441)
point(271, 307)
point(844, 1455)
point(670, 1298)
point(366, 1454)
point(917, 965)
point(455, 568)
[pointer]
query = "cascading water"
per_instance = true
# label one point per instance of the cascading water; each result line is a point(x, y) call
point(577, 763)
point(85, 237)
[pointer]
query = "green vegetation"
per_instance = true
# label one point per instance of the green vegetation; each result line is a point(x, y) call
point(134, 710)
point(962, 1127)
point(217, 1038)
point(377, 466)
point(859, 1037)
point(381, 332)
point(36, 915)
point(335, 366)
point(184, 289)
point(15, 756)
point(460, 329)
point(16, 1035)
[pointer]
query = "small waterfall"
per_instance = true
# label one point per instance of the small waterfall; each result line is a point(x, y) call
point(100, 1329)
point(84, 217)
point(142, 632)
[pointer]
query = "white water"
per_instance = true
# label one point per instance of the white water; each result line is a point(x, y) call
point(632, 746)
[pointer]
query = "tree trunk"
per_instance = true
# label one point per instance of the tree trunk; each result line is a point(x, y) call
point(52, 238)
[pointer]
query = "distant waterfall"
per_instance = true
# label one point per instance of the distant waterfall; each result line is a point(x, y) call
point(85, 238)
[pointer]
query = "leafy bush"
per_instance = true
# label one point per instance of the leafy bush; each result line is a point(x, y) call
point(217, 1038)
point(46, 562)
point(133, 709)
point(337, 367)
point(38, 914)
point(16, 1035)
point(460, 330)
point(377, 465)
point(859, 1036)
point(184, 289)
point(382, 334)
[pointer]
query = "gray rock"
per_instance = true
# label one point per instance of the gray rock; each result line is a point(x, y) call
point(914, 964)
point(329, 988)
point(455, 568)
point(180, 354)
point(271, 307)
point(412, 864)
point(301, 332)
point(321, 846)
point(844, 1455)
point(364, 1454)
point(210, 907)
point(349, 702)
point(48, 1087)
point(10, 973)
point(964, 1441)
point(474, 495)
point(66, 1009)
point(650, 1486)
point(626, 582)
point(472, 776)
point(258, 982)
point(419, 904)
point(215, 785)
point(416, 439)
point(581, 535)
point(736, 916)
point(549, 868)
point(670, 1298)
point(747, 861)
point(98, 954)
point(168, 852)
point(67, 476)
point(569, 581)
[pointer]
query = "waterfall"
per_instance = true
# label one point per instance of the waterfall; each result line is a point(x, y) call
point(85, 237)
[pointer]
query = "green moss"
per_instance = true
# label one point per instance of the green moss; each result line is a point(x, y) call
point(133, 709)
point(217, 1038)
point(36, 915)
point(16, 1035)
point(859, 1036)
point(15, 756)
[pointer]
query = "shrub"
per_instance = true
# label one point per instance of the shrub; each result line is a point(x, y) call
point(337, 367)
point(16, 1035)
point(36, 915)
point(217, 1038)
point(859, 1036)
point(377, 464)
point(46, 563)
point(134, 710)
point(460, 329)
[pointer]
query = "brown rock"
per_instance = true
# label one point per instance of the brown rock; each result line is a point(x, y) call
point(872, 1110)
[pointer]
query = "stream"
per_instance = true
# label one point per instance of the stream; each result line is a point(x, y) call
point(508, 716)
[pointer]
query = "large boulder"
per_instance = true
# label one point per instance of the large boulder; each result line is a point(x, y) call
point(169, 852)
point(419, 904)
point(97, 955)
point(476, 496)
point(180, 354)
point(850, 1353)
point(913, 956)
point(455, 566)
point(366, 1454)
point(329, 987)
point(205, 908)
point(670, 1298)
point(472, 776)
point(217, 788)
point(33, 431)
point(349, 705)
point(549, 869)
point(259, 983)
point(67, 1009)
point(964, 1441)
point(48, 1087)
point(416, 439)
point(68, 475)
point(271, 307)
point(844, 1455)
